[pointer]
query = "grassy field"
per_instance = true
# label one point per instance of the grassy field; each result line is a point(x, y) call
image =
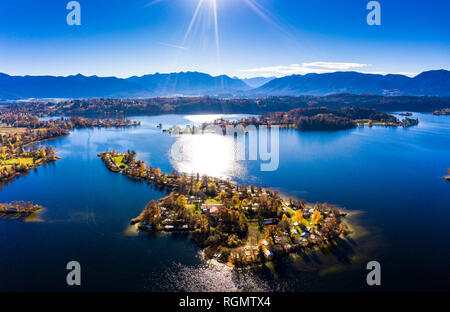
point(212, 201)
point(20, 160)
point(254, 233)
point(8, 130)
point(119, 161)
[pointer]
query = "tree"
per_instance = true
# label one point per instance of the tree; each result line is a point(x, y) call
point(242, 225)
point(330, 228)
point(302, 204)
point(299, 216)
point(261, 255)
point(142, 167)
point(233, 241)
point(224, 254)
point(284, 224)
point(235, 200)
point(316, 217)
point(181, 201)
point(223, 195)
point(212, 189)
point(272, 232)
point(152, 213)
point(260, 222)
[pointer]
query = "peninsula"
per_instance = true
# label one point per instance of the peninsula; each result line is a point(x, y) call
point(320, 119)
point(19, 133)
point(235, 224)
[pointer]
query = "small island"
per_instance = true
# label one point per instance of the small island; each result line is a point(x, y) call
point(19, 208)
point(447, 177)
point(442, 112)
point(238, 225)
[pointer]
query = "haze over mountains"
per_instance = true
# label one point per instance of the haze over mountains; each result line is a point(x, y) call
point(257, 82)
point(432, 83)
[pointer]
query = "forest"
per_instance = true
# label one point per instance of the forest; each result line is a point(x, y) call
point(321, 119)
point(109, 107)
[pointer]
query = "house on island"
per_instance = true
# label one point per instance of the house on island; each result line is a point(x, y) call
point(270, 221)
point(212, 209)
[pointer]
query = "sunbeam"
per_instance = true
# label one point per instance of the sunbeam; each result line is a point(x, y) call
point(210, 10)
point(263, 13)
point(216, 29)
point(194, 18)
point(152, 3)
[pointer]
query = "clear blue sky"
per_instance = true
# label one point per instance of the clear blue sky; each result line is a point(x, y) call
point(255, 37)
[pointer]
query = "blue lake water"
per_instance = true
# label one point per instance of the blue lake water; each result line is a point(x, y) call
point(390, 180)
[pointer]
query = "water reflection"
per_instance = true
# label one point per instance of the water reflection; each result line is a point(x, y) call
point(209, 154)
point(203, 277)
point(198, 119)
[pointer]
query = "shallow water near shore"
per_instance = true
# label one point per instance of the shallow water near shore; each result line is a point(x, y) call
point(390, 180)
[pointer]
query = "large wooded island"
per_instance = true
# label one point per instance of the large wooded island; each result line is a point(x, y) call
point(236, 224)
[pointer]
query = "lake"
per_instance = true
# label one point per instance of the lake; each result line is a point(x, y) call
point(390, 180)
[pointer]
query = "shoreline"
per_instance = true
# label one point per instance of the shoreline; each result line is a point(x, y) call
point(20, 208)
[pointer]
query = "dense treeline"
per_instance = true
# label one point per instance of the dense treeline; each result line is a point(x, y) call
point(323, 118)
point(32, 121)
point(154, 106)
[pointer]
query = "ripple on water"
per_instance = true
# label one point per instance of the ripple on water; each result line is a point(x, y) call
point(205, 277)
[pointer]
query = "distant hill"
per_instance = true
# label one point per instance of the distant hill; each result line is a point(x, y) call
point(79, 86)
point(188, 83)
point(433, 83)
point(257, 82)
point(430, 83)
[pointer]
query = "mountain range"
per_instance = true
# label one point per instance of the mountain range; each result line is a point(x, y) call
point(434, 82)
point(430, 83)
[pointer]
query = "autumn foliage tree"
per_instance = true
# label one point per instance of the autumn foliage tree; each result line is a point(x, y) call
point(316, 217)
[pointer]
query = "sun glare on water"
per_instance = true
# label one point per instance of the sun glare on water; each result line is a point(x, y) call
point(210, 154)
